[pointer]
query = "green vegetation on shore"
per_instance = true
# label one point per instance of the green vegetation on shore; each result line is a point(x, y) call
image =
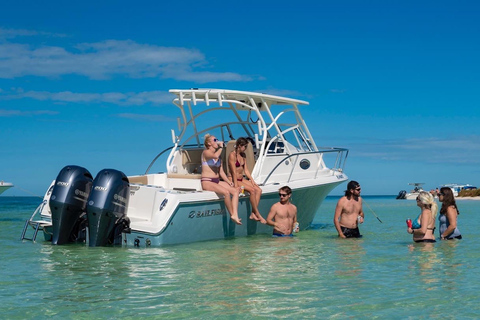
point(469, 193)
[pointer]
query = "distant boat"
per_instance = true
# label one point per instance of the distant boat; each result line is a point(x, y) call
point(412, 195)
point(456, 188)
point(4, 186)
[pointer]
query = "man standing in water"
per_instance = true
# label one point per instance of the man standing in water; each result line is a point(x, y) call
point(283, 214)
point(349, 212)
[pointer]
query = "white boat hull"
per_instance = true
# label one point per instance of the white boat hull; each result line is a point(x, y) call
point(202, 220)
point(4, 186)
point(412, 196)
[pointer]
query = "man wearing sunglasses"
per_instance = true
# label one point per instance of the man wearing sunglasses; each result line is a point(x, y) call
point(283, 214)
point(349, 212)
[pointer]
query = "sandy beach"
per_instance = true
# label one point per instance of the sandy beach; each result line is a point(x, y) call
point(467, 198)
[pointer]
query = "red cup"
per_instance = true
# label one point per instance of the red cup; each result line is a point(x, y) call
point(409, 223)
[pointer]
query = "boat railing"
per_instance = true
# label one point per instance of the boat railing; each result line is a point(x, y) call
point(227, 133)
point(339, 165)
point(156, 158)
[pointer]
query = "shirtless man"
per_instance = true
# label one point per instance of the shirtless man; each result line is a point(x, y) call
point(283, 214)
point(349, 212)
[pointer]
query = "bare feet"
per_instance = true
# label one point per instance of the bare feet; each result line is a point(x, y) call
point(236, 220)
point(253, 216)
point(258, 217)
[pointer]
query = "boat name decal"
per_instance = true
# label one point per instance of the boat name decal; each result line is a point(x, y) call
point(205, 213)
point(120, 198)
point(62, 184)
point(99, 188)
point(81, 193)
point(340, 176)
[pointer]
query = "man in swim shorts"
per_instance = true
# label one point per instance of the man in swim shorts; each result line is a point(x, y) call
point(349, 212)
point(283, 214)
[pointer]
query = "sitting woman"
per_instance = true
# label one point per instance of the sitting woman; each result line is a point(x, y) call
point(238, 168)
point(212, 171)
point(424, 225)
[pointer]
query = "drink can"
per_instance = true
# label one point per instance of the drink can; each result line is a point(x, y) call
point(296, 227)
point(243, 189)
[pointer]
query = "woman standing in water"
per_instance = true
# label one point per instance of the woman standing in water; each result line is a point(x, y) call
point(448, 215)
point(424, 225)
point(237, 163)
point(212, 171)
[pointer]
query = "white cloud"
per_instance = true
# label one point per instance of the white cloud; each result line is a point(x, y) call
point(14, 33)
point(457, 150)
point(19, 113)
point(124, 99)
point(105, 59)
point(145, 117)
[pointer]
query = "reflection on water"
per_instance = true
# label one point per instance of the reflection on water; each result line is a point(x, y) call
point(424, 259)
point(350, 253)
point(313, 275)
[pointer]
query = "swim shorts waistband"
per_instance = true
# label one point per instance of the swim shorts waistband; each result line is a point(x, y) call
point(281, 235)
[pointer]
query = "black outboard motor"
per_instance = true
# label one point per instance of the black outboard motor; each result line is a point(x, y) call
point(68, 203)
point(402, 195)
point(107, 208)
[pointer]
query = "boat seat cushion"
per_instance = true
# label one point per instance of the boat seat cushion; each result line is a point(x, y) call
point(138, 179)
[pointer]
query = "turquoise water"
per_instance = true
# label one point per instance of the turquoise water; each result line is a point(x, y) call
point(314, 275)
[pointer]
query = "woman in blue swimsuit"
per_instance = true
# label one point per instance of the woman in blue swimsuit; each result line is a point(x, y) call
point(212, 171)
point(448, 215)
point(238, 168)
point(424, 225)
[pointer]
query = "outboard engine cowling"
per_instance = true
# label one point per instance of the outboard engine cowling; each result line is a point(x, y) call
point(402, 195)
point(107, 208)
point(68, 203)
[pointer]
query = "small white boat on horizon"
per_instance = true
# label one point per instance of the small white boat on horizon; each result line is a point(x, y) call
point(412, 195)
point(4, 186)
point(169, 207)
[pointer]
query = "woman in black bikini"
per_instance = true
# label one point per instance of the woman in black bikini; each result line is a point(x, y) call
point(238, 168)
point(424, 225)
point(212, 171)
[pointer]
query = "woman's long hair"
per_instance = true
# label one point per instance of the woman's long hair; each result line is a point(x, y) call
point(448, 200)
point(239, 143)
point(426, 198)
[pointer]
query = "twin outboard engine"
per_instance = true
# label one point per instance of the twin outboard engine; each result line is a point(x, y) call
point(402, 195)
point(68, 202)
point(107, 208)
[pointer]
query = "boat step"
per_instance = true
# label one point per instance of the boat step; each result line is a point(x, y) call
point(36, 225)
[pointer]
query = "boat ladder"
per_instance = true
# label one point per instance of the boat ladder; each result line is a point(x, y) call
point(37, 225)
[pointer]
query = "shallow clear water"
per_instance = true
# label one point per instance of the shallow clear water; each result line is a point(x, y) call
point(315, 274)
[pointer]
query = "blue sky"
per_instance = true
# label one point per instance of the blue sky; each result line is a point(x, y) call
point(396, 82)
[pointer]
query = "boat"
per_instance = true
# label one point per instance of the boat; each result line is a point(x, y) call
point(456, 187)
point(412, 195)
point(169, 207)
point(4, 186)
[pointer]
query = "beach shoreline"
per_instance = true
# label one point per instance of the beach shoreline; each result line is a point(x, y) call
point(467, 198)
